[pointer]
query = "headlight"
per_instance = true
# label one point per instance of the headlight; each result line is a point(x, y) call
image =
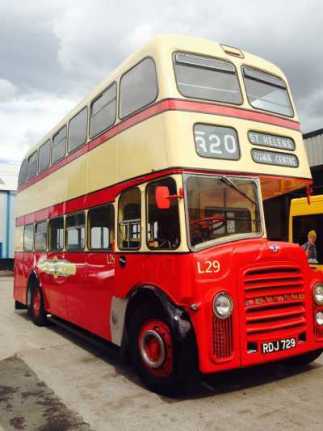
point(222, 305)
point(319, 318)
point(318, 294)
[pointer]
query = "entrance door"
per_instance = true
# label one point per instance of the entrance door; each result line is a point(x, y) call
point(100, 276)
point(128, 262)
point(52, 277)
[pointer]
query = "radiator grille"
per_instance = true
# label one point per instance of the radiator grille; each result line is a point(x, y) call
point(223, 341)
point(274, 300)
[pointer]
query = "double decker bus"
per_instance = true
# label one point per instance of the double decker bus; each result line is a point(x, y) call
point(140, 216)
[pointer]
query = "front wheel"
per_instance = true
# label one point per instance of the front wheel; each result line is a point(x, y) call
point(303, 360)
point(155, 352)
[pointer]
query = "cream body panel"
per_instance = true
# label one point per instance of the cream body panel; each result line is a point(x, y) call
point(142, 149)
point(163, 141)
point(161, 49)
point(181, 146)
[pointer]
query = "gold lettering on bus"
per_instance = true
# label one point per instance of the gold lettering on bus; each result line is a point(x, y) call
point(208, 267)
point(56, 267)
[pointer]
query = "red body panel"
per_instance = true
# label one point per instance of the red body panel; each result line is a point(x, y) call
point(193, 278)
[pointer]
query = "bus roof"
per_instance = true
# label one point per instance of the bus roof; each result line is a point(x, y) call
point(302, 206)
point(167, 44)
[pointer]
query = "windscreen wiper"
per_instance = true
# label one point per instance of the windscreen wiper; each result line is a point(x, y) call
point(231, 184)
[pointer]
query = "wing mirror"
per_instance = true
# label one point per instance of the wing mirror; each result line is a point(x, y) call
point(163, 197)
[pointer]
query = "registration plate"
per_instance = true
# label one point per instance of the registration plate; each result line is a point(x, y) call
point(279, 345)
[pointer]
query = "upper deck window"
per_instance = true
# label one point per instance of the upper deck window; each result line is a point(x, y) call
point(77, 130)
point(138, 87)
point(207, 78)
point(23, 172)
point(32, 165)
point(44, 156)
point(59, 145)
point(103, 111)
point(267, 92)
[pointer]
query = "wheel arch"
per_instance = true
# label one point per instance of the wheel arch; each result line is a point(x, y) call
point(178, 318)
point(33, 280)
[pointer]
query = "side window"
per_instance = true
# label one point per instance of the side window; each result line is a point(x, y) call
point(41, 236)
point(44, 156)
point(23, 172)
point(19, 238)
point(77, 131)
point(28, 237)
point(32, 165)
point(56, 234)
point(129, 219)
point(138, 87)
point(101, 227)
point(163, 229)
point(103, 111)
point(75, 232)
point(59, 145)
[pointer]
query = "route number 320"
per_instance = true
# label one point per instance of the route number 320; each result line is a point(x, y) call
point(216, 142)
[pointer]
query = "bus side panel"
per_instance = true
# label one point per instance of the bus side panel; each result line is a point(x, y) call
point(20, 280)
point(23, 267)
point(172, 273)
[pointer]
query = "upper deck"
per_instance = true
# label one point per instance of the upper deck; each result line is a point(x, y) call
point(168, 131)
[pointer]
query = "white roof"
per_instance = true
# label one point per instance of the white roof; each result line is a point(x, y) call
point(8, 175)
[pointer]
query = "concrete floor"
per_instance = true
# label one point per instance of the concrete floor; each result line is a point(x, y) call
point(51, 380)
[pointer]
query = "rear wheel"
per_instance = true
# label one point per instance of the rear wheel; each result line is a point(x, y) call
point(155, 352)
point(37, 310)
point(303, 360)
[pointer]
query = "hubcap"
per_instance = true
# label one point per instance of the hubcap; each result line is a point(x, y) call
point(152, 349)
point(155, 344)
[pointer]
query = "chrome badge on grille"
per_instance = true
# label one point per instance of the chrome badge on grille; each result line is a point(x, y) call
point(275, 299)
point(274, 248)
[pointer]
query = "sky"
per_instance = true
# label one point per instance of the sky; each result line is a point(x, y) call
point(53, 52)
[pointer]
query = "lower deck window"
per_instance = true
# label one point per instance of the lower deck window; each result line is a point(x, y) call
point(75, 232)
point(56, 234)
point(28, 237)
point(41, 236)
point(101, 227)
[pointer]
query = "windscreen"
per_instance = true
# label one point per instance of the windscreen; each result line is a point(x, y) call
point(221, 207)
point(207, 78)
point(267, 92)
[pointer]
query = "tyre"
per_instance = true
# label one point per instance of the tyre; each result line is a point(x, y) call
point(36, 307)
point(303, 360)
point(156, 354)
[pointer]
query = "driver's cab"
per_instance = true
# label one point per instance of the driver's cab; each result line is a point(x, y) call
point(189, 211)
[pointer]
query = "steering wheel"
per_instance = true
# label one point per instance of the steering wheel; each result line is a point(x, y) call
point(206, 222)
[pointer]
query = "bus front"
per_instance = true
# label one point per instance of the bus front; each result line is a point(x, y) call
point(235, 131)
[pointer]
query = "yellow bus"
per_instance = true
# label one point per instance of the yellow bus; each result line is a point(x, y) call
point(140, 216)
point(306, 216)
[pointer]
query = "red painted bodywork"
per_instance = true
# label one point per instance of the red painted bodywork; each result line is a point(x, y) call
point(187, 279)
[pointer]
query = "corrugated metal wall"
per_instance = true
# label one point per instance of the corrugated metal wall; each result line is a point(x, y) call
point(314, 148)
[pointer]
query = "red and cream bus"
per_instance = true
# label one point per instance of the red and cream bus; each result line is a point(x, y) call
point(140, 216)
